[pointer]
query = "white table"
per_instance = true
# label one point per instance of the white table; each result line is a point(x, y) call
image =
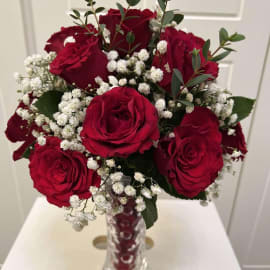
point(187, 236)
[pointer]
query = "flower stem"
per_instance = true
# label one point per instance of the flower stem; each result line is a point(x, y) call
point(120, 24)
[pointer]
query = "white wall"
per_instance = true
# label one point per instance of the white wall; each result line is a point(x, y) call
point(25, 26)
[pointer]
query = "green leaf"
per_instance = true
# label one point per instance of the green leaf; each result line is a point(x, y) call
point(220, 56)
point(237, 37)
point(130, 37)
point(199, 79)
point(229, 49)
point(119, 30)
point(100, 9)
point(168, 17)
point(242, 107)
point(177, 81)
point(73, 16)
point(28, 151)
point(186, 103)
point(77, 13)
point(223, 35)
point(102, 27)
point(87, 13)
point(133, 2)
point(178, 18)
point(206, 48)
point(162, 5)
point(150, 214)
point(121, 9)
point(196, 60)
point(47, 104)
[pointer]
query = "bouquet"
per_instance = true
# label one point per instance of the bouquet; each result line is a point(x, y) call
point(129, 97)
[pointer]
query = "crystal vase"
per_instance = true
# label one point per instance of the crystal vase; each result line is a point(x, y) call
point(125, 239)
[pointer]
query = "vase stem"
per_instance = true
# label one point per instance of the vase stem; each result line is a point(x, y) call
point(126, 240)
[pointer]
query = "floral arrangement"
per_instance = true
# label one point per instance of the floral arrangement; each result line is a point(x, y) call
point(131, 96)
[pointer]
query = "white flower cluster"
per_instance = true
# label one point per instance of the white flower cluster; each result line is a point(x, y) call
point(38, 79)
point(220, 102)
point(161, 108)
point(81, 212)
point(135, 67)
point(69, 119)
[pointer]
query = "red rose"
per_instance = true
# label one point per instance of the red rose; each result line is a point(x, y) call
point(18, 130)
point(57, 41)
point(119, 123)
point(139, 25)
point(179, 46)
point(234, 142)
point(59, 174)
point(81, 62)
point(191, 161)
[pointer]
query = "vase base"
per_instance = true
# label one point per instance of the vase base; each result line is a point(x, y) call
point(143, 266)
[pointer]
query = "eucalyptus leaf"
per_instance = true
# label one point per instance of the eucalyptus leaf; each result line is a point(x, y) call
point(47, 104)
point(177, 81)
point(196, 61)
point(162, 4)
point(186, 103)
point(100, 9)
point(223, 35)
point(237, 37)
point(229, 49)
point(130, 37)
point(87, 13)
point(168, 17)
point(199, 79)
point(242, 107)
point(73, 16)
point(133, 2)
point(121, 9)
point(206, 48)
point(220, 56)
point(77, 13)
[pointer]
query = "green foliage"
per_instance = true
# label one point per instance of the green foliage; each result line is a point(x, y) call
point(121, 9)
point(150, 214)
point(90, 2)
point(168, 17)
point(196, 60)
point(178, 18)
point(177, 81)
point(236, 37)
point(225, 40)
point(47, 104)
point(28, 151)
point(162, 5)
point(130, 37)
point(100, 9)
point(199, 79)
point(242, 107)
point(87, 13)
point(76, 13)
point(223, 36)
point(185, 102)
point(206, 48)
point(221, 56)
point(133, 2)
